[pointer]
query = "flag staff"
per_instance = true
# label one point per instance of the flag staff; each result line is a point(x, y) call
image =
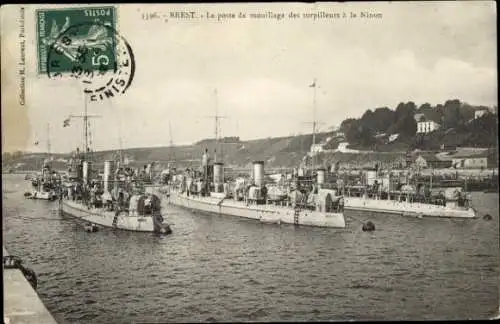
point(217, 119)
point(48, 141)
point(85, 118)
point(314, 125)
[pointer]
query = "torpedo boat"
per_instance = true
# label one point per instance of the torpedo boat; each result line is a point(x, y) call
point(206, 191)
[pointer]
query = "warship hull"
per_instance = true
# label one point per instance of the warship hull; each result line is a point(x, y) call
point(263, 213)
point(106, 218)
point(404, 208)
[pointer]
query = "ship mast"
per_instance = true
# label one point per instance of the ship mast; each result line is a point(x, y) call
point(48, 141)
point(314, 126)
point(86, 129)
point(217, 119)
point(172, 153)
point(120, 143)
point(121, 151)
point(85, 118)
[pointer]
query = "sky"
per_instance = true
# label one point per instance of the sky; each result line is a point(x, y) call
point(261, 68)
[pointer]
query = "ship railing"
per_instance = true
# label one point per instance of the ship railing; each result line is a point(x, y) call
point(396, 195)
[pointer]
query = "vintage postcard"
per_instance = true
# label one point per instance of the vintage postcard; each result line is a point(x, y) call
point(250, 162)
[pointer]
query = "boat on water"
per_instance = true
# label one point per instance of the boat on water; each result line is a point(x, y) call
point(405, 207)
point(125, 207)
point(44, 184)
point(321, 205)
point(116, 199)
point(207, 191)
point(382, 195)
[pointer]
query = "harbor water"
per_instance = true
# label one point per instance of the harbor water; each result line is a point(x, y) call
point(220, 268)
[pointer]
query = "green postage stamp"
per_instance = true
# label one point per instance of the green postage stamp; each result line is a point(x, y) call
point(81, 35)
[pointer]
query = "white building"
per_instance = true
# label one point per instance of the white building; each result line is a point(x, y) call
point(343, 148)
point(479, 113)
point(393, 137)
point(428, 126)
point(418, 117)
point(472, 160)
point(316, 148)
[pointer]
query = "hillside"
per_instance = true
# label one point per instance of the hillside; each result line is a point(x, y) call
point(387, 133)
point(276, 152)
point(389, 130)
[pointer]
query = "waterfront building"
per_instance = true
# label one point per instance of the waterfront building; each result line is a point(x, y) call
point(430, 160)
point(474, 160)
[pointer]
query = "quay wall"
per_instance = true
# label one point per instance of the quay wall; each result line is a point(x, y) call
point(21, 303)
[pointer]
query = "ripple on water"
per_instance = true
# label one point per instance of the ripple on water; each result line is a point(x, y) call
point(245, 271)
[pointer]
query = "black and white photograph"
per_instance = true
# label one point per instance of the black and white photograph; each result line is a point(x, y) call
point(250, 162)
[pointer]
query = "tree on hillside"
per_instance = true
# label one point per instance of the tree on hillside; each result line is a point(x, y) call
point(384, 118)
point(379, 120)
point(467, 112)
point(430, 112)
point(367, 119)
point(440, 111)
point(483, 131)
point(6, 156)
point(451, 113)
point(405, 109)
point(357, 133)
point(405, 123)
point(406, 127)
point(346, 124)
point(426, 107)
point(11, 157)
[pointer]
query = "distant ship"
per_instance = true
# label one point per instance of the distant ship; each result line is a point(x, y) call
point(115, 200)
point(380, 195)
point(44, 184)
point(207, 191)
point(125, 207)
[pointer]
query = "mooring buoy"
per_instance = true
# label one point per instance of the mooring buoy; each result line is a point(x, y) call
point(166, 230)
point(487, 217)
point(91, 228)
point(368, 227)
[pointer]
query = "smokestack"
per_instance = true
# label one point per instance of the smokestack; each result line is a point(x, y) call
point(320, 176)
point(218, 175)
point(204, 159)
point(86, 171)
point(204, 164)
point(258, 173)
point(108, 174)
point(149, 169)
